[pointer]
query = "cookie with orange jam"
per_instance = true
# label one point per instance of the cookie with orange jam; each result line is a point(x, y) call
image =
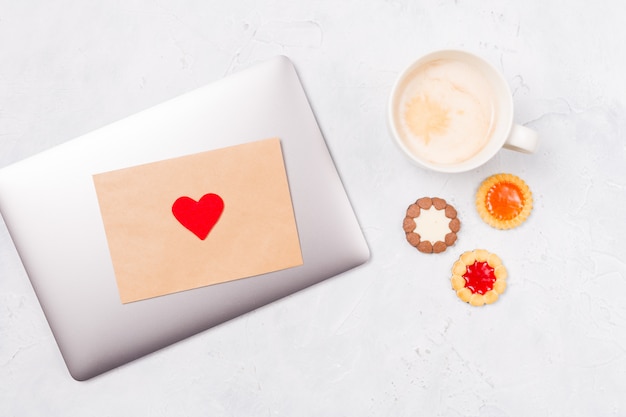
point(504, 201)
point(479, 277)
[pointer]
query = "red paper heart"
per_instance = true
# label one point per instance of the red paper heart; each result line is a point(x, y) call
point(198, 216)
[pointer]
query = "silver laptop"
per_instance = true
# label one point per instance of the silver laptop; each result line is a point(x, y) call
point(50, 207)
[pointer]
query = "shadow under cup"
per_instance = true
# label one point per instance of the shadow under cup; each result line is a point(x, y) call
point(450, 111)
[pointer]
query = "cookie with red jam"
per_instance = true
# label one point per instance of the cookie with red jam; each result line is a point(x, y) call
point(479, 277)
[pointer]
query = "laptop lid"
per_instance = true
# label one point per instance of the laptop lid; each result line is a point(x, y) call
point(50, 205)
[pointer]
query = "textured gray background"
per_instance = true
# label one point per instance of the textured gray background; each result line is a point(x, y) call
point(389, 338)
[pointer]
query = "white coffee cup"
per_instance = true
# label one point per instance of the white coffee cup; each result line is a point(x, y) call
point(452, 111)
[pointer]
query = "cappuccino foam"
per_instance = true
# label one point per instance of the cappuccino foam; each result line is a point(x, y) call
point(447, 111)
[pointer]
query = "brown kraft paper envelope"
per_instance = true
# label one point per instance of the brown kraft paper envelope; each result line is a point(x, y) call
point(154, 253)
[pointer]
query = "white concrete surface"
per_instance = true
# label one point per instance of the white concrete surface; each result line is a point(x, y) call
point(389, 338)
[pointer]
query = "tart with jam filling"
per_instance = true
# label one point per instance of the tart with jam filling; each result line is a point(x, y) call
point(479, 277)
point(504, 201)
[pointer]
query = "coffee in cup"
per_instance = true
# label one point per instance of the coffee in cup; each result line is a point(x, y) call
point(451, 111)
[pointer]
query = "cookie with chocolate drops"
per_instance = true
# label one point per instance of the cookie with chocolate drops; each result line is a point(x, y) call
point(478, 277)
point(431, 225)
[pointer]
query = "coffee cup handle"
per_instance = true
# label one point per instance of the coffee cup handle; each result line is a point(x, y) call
point(522, 139)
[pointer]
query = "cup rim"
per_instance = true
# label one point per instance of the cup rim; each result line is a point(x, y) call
point(484, 155)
